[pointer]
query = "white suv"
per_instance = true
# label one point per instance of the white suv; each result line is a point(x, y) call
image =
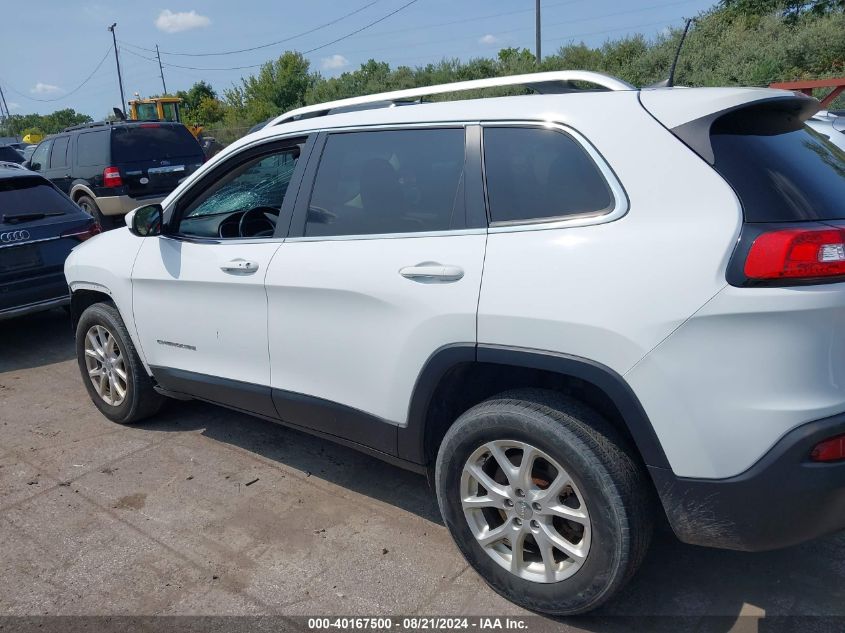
point(579, 311)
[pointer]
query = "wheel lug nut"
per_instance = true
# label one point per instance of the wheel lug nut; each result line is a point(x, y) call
point(508, 503)
point(534, 525)
point(520, 492)
point(536, 506)
point(517, 521)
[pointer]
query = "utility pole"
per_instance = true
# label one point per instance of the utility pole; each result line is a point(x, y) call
point(161, 70)
point(537, 34)
point(117, 61)
point(8, 115)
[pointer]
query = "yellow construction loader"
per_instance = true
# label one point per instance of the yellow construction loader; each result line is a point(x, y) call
point(160, 109)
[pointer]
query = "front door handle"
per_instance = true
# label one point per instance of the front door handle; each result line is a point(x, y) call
point(432, 271)
point(239, 266)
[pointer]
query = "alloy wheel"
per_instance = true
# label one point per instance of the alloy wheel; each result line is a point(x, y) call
point(105, 364)
point(525, 511)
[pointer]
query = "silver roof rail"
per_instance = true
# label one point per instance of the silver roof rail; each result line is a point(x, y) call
point(557, 81)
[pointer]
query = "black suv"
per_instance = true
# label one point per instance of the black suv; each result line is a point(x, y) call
point(39, 226)
point(109, 169)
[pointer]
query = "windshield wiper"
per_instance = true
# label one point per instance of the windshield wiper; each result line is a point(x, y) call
point(25, 217)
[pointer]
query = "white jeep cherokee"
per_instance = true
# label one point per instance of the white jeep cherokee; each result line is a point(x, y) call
point(579, 311)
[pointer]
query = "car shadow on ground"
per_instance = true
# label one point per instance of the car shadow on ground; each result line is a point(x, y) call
point(679, 586)
point(35, 340)
point(311, 455)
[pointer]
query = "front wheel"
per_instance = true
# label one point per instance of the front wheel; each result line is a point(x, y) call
point(544, 500)
point(113, 374)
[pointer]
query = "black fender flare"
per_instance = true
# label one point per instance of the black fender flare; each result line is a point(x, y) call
point(411, 439)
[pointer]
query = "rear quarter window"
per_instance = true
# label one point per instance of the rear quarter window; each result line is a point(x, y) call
point(92, 148)
point(540, 174)
point(152, 141)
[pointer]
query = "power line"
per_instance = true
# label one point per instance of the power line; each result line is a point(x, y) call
point(310, 50)
point(68, 94)
point(269, 44)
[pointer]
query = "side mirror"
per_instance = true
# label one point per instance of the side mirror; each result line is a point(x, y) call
point(145, 221)
point(26, 165)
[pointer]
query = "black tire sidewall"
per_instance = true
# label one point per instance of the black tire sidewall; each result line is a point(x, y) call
point(107, 316)
point(104, 221)
point(599, 573)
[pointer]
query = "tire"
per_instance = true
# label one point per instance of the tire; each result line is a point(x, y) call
point(139, 400)
point(608, 491)
point(87, 204)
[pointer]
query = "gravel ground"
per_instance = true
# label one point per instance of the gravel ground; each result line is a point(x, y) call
point(202, 511)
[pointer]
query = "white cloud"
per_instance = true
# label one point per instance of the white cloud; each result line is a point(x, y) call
point(334, 62)
point(488, 39)
point(44, 89)
point(170, 22)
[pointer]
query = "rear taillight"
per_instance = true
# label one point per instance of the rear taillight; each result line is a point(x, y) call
point(111, 177)
point(84, 233)
point(797, 253)
point(832, 450)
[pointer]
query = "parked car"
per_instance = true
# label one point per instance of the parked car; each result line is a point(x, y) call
point(575, 332)
point(109, 168)
point(831, 125)
point(39, 225)
point(9, 154)
point(27, 151)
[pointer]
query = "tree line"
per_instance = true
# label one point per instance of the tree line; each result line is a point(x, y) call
point(737, 42)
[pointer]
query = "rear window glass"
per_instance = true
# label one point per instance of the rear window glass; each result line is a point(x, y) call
point(781, 175)
point(536, 174)
point(20, 196)
point(153, 142)
point(10, 155)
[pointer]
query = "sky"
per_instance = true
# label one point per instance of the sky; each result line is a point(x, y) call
point(48, 53)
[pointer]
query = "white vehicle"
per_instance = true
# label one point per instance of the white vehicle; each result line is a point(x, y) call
point(573, 330)
point(831, 125)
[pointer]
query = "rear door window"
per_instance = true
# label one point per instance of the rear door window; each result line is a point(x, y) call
point(58, 157)
point(390, 181)
point(781, 174)
point(540, 174)
point(152, 141)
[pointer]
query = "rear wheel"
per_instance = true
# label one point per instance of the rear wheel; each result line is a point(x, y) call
point(544, 500)
point(113, 374)
point(87, 204)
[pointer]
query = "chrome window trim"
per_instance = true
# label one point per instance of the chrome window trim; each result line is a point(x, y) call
point(620, 208)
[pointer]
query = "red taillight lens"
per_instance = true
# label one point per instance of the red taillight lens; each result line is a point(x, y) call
point(111, 177)
point(85, 233)
point(831, 450)
point(797, 253)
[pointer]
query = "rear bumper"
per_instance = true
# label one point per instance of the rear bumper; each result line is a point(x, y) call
point(783, 500)
point(121, 205)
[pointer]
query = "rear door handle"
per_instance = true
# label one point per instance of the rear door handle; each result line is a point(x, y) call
point(432, 271)
point(239, 266)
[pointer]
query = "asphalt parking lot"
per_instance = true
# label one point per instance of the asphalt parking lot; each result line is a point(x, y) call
point(206, 511)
